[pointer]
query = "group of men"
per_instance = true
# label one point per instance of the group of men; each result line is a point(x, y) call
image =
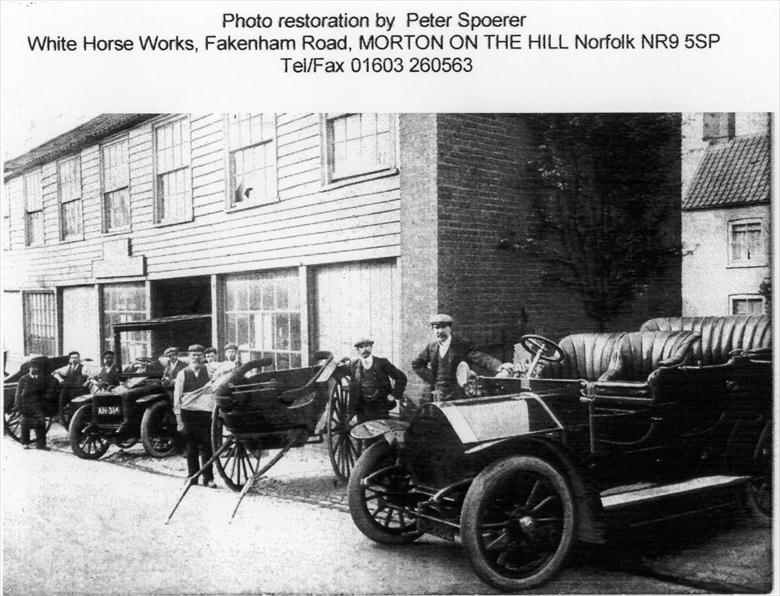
point(377, 385)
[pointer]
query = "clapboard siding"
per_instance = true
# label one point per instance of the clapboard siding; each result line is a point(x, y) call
point(308, 224)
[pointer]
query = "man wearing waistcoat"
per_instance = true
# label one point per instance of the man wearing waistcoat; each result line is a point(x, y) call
point(193, 413)
point(173, 367)
point(437, 363)
point(73, 381)
point(376, 383)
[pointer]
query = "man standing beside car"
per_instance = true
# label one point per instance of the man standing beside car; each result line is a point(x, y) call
point(376, 383)
point(31, 391)
point(192, 406)
point(437, 363)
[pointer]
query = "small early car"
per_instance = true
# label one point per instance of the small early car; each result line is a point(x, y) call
point(98, 419)
point(617, 430)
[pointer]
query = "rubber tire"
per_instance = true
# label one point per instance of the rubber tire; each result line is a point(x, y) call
point(149, 425)
point(373, 458)
point(12, 421)
point(333, 437)
point(80, 419)
point(763, 517)
point(483, 485)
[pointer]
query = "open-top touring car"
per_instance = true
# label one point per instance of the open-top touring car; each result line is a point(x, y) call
point(617, 430)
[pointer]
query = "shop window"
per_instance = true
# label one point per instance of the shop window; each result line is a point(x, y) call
point(33, 208)
point(747, 305)
point(359, 144)
point(746, 243)
point(40, 323)
point(69, 192)
point(252, 159)
point(172, 168)
point(123, 303)
point(116, 186)
point(263, 317)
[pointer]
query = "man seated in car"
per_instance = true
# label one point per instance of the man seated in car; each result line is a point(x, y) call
point(437, 363)
point(107, 376)
point(376, 383)
point(72, 379)
point(172, 368)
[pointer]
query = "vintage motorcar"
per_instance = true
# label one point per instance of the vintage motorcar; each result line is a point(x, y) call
point(618, 430)
point(98, 418)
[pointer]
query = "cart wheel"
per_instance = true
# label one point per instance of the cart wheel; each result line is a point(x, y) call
point(759, 497)
point(517, 523)
point(11, 423)
point(342, 448)
point(86, 441)
point(158, 430)
point(237, 463)
point(382, 510)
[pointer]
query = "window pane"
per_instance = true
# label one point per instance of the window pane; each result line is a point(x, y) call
point(117, 210)
point(35, 228)
point(359, 143)
point(253, 174)
point(172, 195)
point(40, 323)
point(123, 303)
point(33, 191)
point(69, 178)
point(745, 241)
point(116, 172)
point(71, 219)
point(747, 306)
point(270, 324)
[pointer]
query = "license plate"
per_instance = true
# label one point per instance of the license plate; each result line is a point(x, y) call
point(108, 411)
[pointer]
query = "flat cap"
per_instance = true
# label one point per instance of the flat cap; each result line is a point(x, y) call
point(441, 319)
point(171, 350)
point(364, 341)
point(231, 347)
point(195, 348)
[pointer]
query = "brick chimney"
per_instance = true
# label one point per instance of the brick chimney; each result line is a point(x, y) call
point(718, 127)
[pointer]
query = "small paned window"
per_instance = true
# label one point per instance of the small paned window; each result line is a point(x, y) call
point(746, 243)
point(252, 159)
point(116, 187)
point(747, 305)
point(40, 323)
point(172, 163)
point(69, 190)
point(123, 303)
point(359, 144)
point(33, 208)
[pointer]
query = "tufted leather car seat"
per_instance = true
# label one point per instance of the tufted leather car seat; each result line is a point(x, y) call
point(719, 335)
point(640, 353)
point(587, 356)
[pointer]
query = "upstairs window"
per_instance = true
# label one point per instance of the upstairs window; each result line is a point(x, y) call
point(172, 167)
point(359, 144)
point(116, 187)
point(33, 208)
point(252, 159)
point(69, 191)
point(746, 243)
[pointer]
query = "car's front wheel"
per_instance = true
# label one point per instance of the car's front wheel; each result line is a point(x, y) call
point(158, 430)
point(382, 509)
point(86, 440)
point(517, 523)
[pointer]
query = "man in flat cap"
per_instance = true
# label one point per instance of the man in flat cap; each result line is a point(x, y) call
point(192, 406)
point(376, 383)
point(212, 360)
point(231, 362)
point(173, 367)
point(437, 363)
point(32, 390)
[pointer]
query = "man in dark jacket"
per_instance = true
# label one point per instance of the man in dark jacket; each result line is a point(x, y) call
point(31, 391)
point(173, 367)
point(376, 383)
point(437, 363)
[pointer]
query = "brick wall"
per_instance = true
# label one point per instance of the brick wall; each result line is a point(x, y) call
point(484, 196)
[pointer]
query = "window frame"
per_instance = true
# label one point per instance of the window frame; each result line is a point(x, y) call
point(105, 191)
point(156, 173)
point(80, 199)
point(39, 211)
point(230, 203)
point(339, 179)
point(53, 323)
point(130, 339)
point(747, 297)
point(760, 260)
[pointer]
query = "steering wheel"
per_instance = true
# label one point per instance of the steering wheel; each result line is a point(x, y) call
point(542, 348)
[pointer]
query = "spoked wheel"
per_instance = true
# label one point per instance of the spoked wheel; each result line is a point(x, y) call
point(86, 440)
point(158, 430)
point(239, 462)
point(12, 421)
point(517, 523)
point(383, 510)
point(342, 448)
point(760, 486)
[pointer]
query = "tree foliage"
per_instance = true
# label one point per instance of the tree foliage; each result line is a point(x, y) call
point(607, 184)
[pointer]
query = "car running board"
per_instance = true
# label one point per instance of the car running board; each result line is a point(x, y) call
point(658, 492)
